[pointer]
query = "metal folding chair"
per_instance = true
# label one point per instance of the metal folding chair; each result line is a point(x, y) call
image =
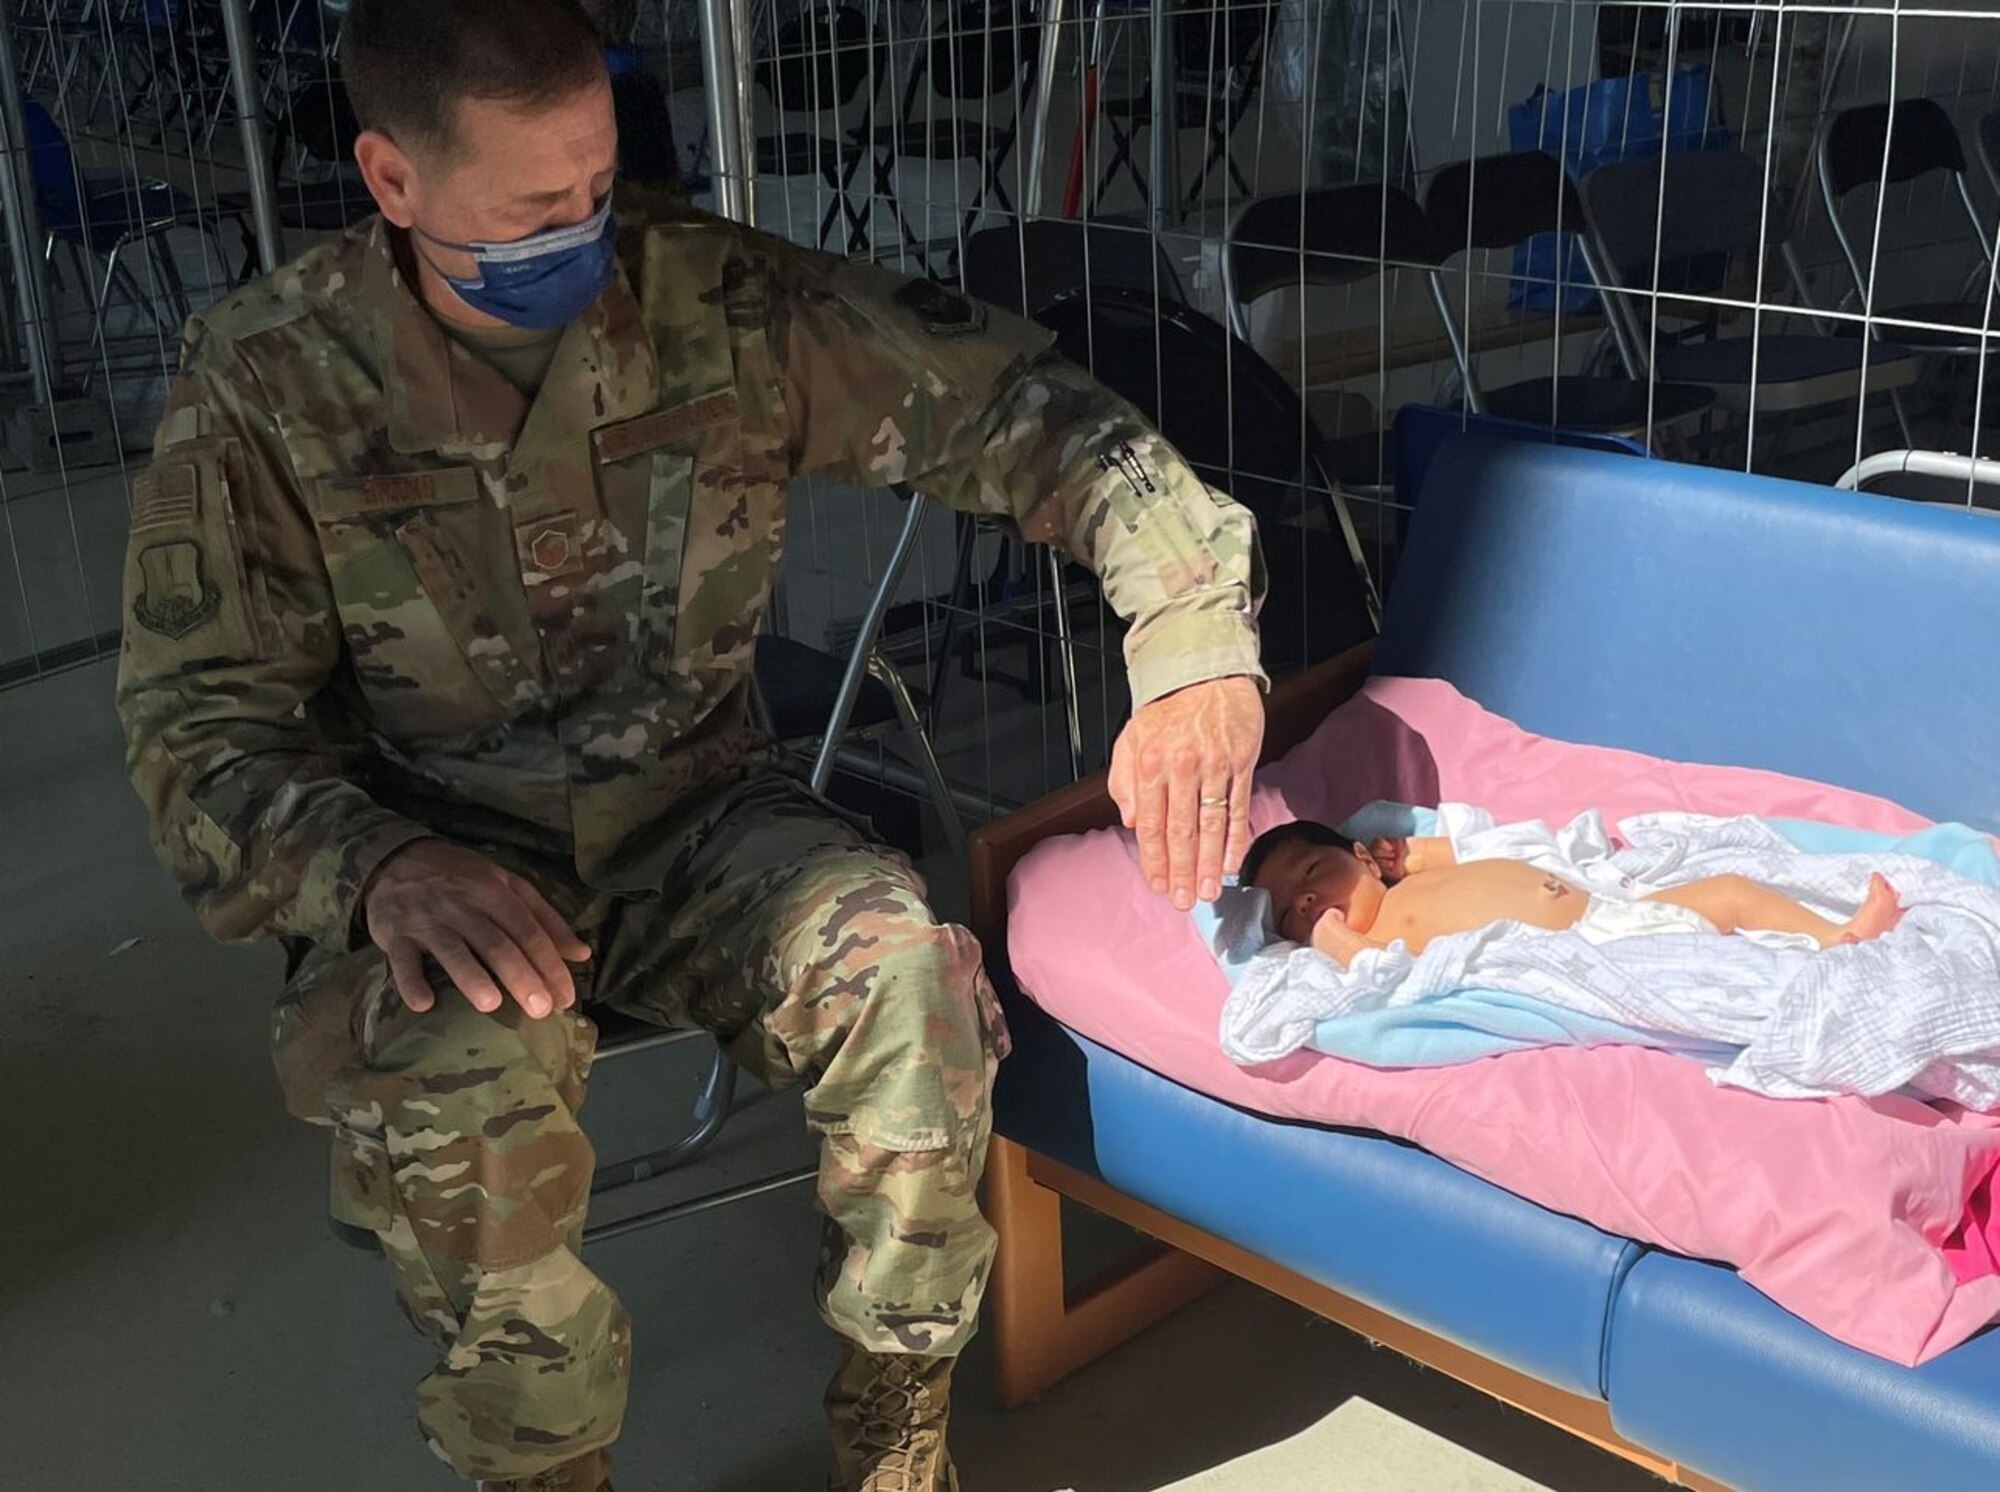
point(863, 697)
point(1882, 145)
point(1504, 200)
point(981, 54)
point(1219, 53)
point(1329, 237)
point(315, 186)
point(1027, 267)
point(1653, 217)
point(831, 67)
point(813, 701)
point(1247, 431)
point(106, 213)
point(620, 1035)
point(865, 694)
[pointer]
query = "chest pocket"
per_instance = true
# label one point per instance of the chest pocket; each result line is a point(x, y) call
point(423, 609)
point(709, 543)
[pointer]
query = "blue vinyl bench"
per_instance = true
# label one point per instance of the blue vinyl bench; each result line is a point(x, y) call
point(1694, 614)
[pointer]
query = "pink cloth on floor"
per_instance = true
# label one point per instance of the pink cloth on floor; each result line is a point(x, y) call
point(1839, 1209)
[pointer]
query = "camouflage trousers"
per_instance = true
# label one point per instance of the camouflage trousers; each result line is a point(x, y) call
point(811, 953)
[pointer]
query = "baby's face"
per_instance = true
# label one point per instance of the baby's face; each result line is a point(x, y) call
point(1306, 880)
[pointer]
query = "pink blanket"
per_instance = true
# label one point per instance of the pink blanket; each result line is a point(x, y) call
point(1868, 1218)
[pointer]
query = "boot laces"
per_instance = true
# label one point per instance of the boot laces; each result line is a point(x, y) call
point(892, 1424)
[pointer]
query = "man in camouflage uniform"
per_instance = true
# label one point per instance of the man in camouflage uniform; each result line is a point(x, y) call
point(442, 596)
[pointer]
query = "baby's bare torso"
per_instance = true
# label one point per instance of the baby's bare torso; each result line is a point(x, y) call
point(1457, 898)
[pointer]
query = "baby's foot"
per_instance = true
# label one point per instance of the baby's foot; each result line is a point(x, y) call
point(1880, 912)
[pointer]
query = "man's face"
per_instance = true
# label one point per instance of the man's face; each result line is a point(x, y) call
point(508, 174)
point(1306, 879)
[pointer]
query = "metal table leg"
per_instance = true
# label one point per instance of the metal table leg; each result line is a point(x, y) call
point(864, 642)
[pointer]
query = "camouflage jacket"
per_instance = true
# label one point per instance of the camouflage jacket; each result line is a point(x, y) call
point(374, 594)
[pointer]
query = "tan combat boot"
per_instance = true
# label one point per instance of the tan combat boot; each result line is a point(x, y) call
point(888, 1413)
point(590, 1472)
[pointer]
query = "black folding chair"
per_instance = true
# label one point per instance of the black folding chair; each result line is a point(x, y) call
point(1247, 432)
point(640, 102)
point(1989, 147)
point(174, 63)
point(621, 1035)
point(1328, 237)
point(827, 64)
point(1660, 219)
point(315, 185)
point(108, 213)
point(1219, 52)
point(1504, 200)
point(1881, 145)
point(815, 702)
point(980, 53)
point(1025, 267)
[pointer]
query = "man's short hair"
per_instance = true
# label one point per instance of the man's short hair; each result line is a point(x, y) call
point(409, 64)
point(1299, 831)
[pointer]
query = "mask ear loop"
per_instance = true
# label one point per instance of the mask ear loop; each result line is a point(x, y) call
point(457, 282)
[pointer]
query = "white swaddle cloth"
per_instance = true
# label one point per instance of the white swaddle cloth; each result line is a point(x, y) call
point(1607, 920)
point(1918, 1008)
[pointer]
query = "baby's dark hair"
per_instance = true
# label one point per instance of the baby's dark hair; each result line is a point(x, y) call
point(1299, 831)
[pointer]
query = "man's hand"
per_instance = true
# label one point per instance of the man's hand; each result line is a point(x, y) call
point(1180, 775)
point(487, 928)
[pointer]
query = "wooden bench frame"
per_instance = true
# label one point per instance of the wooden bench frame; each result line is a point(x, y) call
point(1043, 1331)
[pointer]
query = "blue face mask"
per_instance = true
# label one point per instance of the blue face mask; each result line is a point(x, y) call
point(542, 281)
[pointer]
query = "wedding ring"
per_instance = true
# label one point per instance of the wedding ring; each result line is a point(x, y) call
point(1214, 802)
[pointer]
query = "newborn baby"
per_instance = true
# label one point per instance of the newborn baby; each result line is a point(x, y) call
point(1342, 896)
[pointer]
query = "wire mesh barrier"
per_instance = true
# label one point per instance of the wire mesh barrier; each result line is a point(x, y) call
point(128, 209)
point(1309, 238)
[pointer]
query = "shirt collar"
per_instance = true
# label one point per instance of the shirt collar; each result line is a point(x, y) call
point(441, 397)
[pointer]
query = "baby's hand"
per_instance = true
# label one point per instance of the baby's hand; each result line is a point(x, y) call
point(1333, 937)
point(1392, 856)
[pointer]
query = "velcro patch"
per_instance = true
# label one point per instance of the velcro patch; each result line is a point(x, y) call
point(944, 312)
point(664, 427)
point(175, 596)
point(549, 548)
point(185, 423)
point(344, 498)
point(165, 496)
point(417, 489)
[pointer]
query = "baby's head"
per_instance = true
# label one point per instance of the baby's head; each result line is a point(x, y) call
point(1307, 868)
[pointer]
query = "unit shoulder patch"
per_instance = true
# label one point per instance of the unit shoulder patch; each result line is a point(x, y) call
point(175, 596)
point(943, 311)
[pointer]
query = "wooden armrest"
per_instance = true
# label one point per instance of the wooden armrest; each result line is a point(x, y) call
point(1294, 711)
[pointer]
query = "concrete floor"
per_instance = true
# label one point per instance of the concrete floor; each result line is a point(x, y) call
point(175, 1315)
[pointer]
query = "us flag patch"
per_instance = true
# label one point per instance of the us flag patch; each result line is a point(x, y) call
point(165, 496)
